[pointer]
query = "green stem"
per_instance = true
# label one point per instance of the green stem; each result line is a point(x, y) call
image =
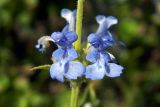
point(74, 94)
point(75, 84)
point(79, 24)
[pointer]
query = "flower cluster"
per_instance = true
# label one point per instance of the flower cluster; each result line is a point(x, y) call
point(65, 67)
point(101, 40)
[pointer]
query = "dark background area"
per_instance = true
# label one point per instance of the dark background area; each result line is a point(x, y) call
point(22, 22)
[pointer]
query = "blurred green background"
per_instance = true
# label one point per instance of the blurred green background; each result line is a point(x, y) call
point(22, 22)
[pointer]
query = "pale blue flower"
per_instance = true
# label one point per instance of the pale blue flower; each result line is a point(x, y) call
point(64, 66)
point(101, 59)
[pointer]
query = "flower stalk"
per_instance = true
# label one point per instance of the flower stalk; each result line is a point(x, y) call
point(79, 19)
point(66, 67)
point(74, 84)
point(74, 94)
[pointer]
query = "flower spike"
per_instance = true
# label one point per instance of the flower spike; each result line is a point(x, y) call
point(103, 63)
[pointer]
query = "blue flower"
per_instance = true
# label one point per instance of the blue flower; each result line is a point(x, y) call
point(101, 59)
point(64, 66)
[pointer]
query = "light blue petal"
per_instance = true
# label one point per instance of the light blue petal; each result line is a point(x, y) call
point(57, 71)
point(71, 37)
point(111, 20)
point(105, 22)
point(58, 54)
point(95, 71)
point(100, 18)
point(56, 36)
point(65, 13)
point(70, 17)
point(72, 21)
point(75, 70)
point(72, 54)
point(114, 70)
point(92, 37)
point(103, 26)
point(92, 55)
point(108, 21)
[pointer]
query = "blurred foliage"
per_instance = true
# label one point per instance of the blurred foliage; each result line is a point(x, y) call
point(22, 22)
